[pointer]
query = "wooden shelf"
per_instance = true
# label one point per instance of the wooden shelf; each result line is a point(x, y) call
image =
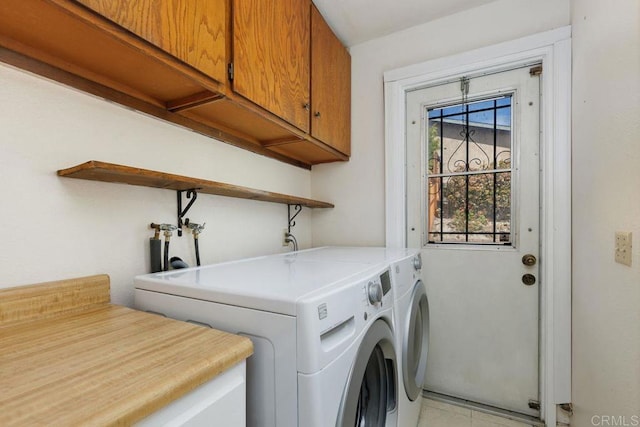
point(108, 172)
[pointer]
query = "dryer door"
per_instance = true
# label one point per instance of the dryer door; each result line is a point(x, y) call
point(415, 342)
point(370, 394)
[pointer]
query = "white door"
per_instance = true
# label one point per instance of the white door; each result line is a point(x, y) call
point(473, 207)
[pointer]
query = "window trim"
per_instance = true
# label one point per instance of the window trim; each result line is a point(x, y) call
point(512, 94)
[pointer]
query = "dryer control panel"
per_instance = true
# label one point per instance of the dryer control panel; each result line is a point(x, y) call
point(374, 292)
point(385, 280)
point(377, 293)
point(378, 288)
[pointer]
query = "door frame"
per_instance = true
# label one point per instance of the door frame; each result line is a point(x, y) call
point(553, 50)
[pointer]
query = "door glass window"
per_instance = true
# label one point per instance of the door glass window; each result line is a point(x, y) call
point(468, 164)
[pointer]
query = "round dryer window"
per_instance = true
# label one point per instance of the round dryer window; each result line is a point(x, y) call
point(370, 393)
point(416, 342)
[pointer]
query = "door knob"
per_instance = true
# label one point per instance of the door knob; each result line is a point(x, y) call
point(529, 260)
point(528, 279)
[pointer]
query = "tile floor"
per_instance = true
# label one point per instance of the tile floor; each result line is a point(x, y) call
point(438, 414)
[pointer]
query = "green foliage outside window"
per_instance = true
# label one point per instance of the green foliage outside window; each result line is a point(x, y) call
point(481, 186)
point(480, 198)
point(434, 148)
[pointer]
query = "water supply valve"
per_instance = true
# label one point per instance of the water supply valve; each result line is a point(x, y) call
point(167, 228)
point(195, 228)
point(156, 230)
point(168, 231)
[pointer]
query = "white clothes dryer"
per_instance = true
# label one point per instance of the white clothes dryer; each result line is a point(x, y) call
point(324, 348)
point(412, 340)
point(411, 316)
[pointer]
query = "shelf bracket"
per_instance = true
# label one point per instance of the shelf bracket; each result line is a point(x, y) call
point(191, 194)
point(297, 209)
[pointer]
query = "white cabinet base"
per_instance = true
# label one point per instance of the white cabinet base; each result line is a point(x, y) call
point(221, 401)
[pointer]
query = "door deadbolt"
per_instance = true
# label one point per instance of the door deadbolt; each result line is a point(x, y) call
point(528, 279)
point(529, 260)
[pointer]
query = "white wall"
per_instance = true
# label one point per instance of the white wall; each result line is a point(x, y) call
point(606, 198)
point(54, 228)
point(606, 172)
point(357, 187)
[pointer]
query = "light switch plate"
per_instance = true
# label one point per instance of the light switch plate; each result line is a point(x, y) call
point(623, 247)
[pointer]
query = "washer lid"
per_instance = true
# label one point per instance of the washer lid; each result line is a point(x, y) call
point(273, 283)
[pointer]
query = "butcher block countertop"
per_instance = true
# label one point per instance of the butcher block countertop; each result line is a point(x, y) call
point(68, 357)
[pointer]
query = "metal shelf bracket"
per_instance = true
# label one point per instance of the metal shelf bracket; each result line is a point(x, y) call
point(191, 194)
point(296, 209)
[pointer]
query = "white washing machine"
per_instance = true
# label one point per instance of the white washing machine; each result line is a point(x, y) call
point(411, 314)
point(324, 348)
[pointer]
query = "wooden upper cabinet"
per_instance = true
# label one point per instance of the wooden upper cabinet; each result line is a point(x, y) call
point(289, 100)
point(271, 56)
point(194, 31)
point(330, 86)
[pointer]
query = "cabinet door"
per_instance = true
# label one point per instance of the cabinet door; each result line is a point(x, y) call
point(330, 86)
point(222, 399)
point(271, 56)
point(193, 31)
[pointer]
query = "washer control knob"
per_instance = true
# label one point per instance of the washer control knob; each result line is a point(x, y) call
point(417, 262)
point(374, 293)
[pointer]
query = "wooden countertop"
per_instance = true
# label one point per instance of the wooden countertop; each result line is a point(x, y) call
point(79, 360)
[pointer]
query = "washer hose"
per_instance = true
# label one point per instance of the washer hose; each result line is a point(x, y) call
point(177, 263)
point(195, 242)
point(166, 254)
point(196, 229)
point(168, 229)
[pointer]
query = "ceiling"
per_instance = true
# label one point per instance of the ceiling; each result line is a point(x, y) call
point(356, 21)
